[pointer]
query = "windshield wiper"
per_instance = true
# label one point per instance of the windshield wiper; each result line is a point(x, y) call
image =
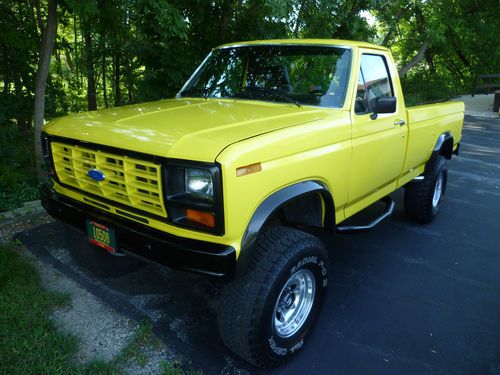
point(196, 90)
point(274, 92)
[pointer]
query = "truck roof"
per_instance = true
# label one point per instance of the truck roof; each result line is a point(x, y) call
point(327, 42)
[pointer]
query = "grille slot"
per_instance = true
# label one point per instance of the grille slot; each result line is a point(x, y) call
point(129, 181)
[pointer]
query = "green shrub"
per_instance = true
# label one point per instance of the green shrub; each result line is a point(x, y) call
point(23, 192)
point(18, 182)
point(421, 86)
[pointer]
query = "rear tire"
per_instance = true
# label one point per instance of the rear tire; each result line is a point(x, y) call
point(265, 315)
point(423, 198)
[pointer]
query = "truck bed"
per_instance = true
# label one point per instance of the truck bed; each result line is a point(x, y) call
point(425, 124)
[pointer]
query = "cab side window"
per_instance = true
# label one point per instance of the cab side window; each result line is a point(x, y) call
point(373, 83)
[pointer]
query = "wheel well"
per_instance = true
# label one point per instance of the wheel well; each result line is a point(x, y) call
point(447, 148)
point(287, 207)
point(310, 212)
point(307, 210)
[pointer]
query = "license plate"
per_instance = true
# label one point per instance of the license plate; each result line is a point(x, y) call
point(102, 236)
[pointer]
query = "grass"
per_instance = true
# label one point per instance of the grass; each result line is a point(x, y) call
point(29, 341)
point(142, 337)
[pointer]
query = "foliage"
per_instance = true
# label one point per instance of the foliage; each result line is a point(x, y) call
point(17, 179)
point(23, 192)
point(456, 32)
point(140, 50)
point(420, 87)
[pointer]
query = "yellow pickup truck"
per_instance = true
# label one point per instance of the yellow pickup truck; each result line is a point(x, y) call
point(267, 144)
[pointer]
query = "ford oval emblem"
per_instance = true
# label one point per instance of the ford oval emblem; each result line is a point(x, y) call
point(96, 175)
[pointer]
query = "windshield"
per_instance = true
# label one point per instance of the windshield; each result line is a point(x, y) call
point(309, 75)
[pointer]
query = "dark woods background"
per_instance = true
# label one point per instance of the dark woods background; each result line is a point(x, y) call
point(114, 52)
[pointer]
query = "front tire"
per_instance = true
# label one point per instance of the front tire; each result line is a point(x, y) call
point(423, 198)
point(265, 315)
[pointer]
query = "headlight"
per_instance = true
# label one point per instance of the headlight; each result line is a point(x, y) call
point(199, 184)
point(193, 192)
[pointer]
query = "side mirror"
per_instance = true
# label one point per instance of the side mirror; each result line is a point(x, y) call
point(384, 105)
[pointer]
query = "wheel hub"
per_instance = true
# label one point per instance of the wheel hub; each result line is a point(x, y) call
point(289, 301)
point(294, 303)
point(438, 191)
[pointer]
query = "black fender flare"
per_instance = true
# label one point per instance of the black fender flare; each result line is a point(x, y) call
point(443, 146)
point(274, 202)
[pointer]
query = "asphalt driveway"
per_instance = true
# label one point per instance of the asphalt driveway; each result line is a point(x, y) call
point(405, 298)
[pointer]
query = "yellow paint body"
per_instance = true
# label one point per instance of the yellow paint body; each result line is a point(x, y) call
point(360, 160)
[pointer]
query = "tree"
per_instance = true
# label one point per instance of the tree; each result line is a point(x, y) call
point(45, 52)
point(89, 58)
point(415, 60)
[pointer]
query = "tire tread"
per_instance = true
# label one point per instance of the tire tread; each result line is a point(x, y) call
point(242, 301)
point(418, 196)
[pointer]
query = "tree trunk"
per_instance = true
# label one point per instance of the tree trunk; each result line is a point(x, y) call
point(226, 11)
point(415, 61)
point(41, 79)
point(57, 55)
point(76, 51)
point(24, 119)
point(33, 19)
point(39, 15)
point(430, 61)
point(458, 49)
point(118, 92)
point(89, 57)
point(130, 92)
point(69, 61)
point(103, 56)
point(130, 83)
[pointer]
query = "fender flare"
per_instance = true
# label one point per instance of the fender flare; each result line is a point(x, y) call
point(274, 202)
point(443, 146)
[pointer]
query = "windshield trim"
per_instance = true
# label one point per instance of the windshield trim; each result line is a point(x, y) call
point(239, 45)
point(195, 73)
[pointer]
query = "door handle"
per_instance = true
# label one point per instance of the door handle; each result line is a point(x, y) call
point(400, 122)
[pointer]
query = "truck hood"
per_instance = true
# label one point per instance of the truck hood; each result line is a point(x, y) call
point(192, 129)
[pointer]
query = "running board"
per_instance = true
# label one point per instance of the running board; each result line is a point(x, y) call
point(360, 228)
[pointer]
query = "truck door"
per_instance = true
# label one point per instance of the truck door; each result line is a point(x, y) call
point(378, 145)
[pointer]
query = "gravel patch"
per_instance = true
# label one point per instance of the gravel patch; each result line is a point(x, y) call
point(22, 219)
point(103, 333)
point(479, 106)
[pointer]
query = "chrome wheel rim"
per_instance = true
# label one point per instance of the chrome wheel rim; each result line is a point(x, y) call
point(294, 303)
point(438, 191)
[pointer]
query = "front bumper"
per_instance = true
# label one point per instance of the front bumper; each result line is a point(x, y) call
point(145, 242)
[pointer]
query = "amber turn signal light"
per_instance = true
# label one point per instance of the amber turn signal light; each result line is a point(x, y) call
point(248, 169)
point(205, 218)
